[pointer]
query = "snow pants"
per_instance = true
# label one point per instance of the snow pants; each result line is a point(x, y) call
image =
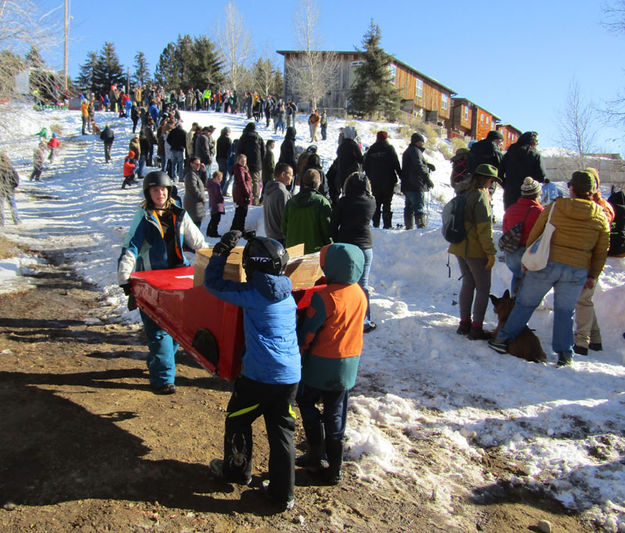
point(334, 416)
point(249, 400)
point(162, 357)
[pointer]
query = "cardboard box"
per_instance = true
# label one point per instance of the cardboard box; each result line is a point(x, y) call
point(304, 270)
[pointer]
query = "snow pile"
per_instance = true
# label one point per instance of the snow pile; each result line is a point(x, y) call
point(429, 404)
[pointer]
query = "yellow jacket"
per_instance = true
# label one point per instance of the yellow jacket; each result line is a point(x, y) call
point(84, 108)
point(582, 235)
point(478, 226)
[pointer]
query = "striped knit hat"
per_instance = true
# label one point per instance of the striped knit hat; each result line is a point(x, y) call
point(530, 187)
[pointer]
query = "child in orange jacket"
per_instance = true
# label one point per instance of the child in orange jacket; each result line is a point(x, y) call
point(130, 166)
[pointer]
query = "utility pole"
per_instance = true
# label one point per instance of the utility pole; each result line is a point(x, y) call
point(66, 62)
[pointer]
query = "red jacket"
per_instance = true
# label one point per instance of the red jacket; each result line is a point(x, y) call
point(54, 142)
point(518, 211)
point(129, 165)
point(242, 188)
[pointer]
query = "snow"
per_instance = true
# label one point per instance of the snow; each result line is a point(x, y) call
point(422, 391)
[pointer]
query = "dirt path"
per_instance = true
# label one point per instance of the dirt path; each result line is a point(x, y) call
point(87, 447)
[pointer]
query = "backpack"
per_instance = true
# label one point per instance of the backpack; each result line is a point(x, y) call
point(453, 220)
point(510, 241)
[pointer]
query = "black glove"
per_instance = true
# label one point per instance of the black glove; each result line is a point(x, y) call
point(431, 166)
point(429, 184)
point(132, 303)
point(126, 288)
point(227, 243)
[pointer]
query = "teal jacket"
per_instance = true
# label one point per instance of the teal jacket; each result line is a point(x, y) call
point(330, 336)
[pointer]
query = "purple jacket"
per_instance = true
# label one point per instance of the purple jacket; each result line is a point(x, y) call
point(215, 197)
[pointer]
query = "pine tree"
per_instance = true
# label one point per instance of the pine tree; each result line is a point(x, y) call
point(34, 59)
point(142, 72)
point(373, 92)
point(85, 79)
point(108, 71)
point(166, 72)
point(207, 68)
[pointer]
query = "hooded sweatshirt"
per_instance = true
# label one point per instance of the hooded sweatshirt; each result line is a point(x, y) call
point(330, 336)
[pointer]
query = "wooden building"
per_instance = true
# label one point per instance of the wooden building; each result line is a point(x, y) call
point(420, 95)
point(510, 134)
point(470, 120)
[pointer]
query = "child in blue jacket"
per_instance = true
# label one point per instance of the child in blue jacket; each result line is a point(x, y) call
point(271, 364)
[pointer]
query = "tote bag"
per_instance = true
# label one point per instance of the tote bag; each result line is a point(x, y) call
point(536, 256)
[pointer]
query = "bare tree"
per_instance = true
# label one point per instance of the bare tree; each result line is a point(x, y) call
point(578, 124)
point(614, 12)
point(22, 28)
point(313, 73)
point(235, 45)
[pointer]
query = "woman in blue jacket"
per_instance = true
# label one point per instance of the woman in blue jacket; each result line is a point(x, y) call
point(155, 241)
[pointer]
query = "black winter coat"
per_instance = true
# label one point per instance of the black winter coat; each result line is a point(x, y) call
point(107, 135)
point(348, 159)
point(351, 219)
point(201, 149)
point(288, 153)
point(617, 229)
point(415, 174)
point(177, 139)
point(224, 142)
point(382, 166)
point(485, 152)
point(517, 164)
point(252, 145)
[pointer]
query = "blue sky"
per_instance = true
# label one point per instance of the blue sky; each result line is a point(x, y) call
point(515, 59)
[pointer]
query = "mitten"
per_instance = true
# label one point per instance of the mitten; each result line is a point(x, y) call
point(227, 243)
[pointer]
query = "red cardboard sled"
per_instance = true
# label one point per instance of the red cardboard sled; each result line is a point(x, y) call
point(208, 328)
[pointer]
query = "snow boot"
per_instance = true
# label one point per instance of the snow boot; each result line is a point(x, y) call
point(376, 219)
point(315, 460)
point(422, 220)
point(408, 221)
point(564, 359)
point(334, 475)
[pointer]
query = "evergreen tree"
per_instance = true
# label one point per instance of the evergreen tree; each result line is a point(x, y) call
point(85, 79)
point(142, 72)
point(207, 69)
point(34, 59)
point(373, 92)
point(189, 63)
point(107, 71)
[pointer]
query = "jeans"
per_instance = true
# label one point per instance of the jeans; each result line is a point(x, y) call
point(567, 282)
point(10, 197)
point(177, 164)
point(162, 357)
point(415, 202)
point(141, 168)
point(364, 280)
point(226, 178)
point(334, 417)
point(513, 262)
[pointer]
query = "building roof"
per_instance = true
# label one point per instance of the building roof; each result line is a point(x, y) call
point(394, 59)
point(478, 106)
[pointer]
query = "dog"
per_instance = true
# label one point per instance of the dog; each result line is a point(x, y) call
point(526, 345)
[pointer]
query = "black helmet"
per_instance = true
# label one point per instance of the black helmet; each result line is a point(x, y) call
point(265, 255)
point(156, 178)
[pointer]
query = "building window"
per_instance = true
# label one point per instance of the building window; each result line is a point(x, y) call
point(481, 119)
point(465, 108)
point(487, 120)
point(419, 90)
point(444, 101)
point(393, 70)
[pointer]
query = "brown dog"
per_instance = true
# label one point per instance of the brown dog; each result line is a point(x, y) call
point(526, 345)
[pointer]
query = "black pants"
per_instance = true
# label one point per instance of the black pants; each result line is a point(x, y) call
point(238, 221)
point(107, 152)
point(213, 225)
point(249, 400)
point(383, 201)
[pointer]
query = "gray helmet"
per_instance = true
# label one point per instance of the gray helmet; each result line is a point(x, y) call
point(156, 178)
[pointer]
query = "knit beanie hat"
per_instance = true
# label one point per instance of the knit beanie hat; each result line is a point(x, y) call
point(530, 187)
point(416, 137)
point(381, 136)
point(595, 173)
point(582, 181)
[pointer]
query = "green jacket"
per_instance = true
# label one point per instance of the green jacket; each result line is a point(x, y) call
point(306, 219)
point(478, 226)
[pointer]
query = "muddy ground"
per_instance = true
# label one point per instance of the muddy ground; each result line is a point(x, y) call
point(86, 446)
